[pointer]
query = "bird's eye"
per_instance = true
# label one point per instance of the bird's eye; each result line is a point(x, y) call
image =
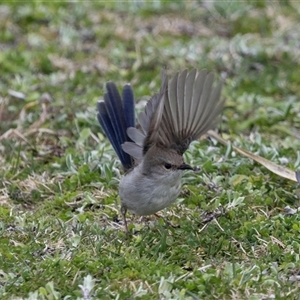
point(167, 166)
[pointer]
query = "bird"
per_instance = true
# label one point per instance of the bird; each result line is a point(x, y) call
point(187, 105)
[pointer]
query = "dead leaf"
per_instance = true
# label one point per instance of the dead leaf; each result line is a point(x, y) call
point(276, 169)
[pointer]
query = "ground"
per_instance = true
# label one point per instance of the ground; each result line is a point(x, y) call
point(228, 236)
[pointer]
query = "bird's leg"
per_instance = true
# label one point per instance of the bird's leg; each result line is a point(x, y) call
point(123, 212)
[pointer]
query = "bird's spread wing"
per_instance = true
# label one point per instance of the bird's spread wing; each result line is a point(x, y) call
point(192, 107)
point(185, 109)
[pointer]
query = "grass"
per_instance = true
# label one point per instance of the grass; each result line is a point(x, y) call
point(61, 235)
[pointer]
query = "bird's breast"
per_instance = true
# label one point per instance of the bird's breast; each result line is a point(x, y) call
point(144, 195)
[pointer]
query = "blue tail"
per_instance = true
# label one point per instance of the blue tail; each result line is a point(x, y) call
point(115, 115)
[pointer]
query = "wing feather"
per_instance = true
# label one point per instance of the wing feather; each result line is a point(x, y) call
point(186, 107)
point(181, 83)
point(192, 106)
point(188, 100)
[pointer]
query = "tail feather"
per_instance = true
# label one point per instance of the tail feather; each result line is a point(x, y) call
point(113, 103)
point(115, 116)
point(107, 126)
point(128, 106)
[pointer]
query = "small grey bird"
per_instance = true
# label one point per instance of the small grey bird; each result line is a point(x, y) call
point(186, 107)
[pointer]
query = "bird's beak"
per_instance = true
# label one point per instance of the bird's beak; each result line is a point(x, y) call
point(185, 166)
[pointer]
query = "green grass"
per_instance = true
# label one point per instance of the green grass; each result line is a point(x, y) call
point(60, 231)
